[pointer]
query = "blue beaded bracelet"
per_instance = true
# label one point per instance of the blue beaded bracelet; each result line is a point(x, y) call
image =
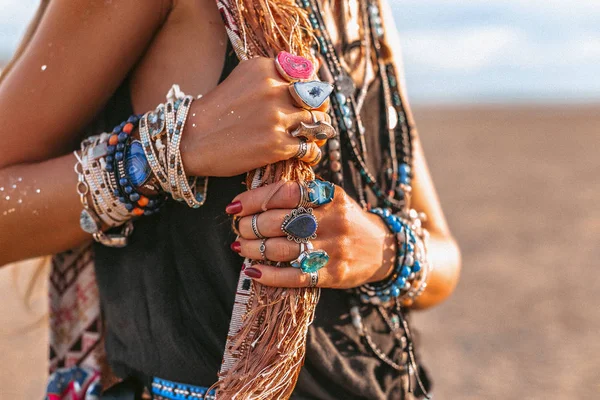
point(408, 266)
point(120, 147)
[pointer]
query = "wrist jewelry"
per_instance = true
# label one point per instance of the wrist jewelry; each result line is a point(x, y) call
point(409, 277)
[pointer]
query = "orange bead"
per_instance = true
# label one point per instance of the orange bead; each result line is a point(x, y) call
point(128, 128)
point(143, 201)
point(113, 140)
point(137, 212)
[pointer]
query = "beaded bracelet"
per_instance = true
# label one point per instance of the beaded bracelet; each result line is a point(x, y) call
point(121, 150)
point(409, 277)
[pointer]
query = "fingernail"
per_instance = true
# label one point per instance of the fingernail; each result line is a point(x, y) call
point(234, 208)
point(236, 246)
point(253, 273)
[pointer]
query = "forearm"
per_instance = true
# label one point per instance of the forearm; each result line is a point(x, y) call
point(444, 257)
point(39, 209)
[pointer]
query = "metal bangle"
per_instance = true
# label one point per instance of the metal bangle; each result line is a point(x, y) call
point(254, 225)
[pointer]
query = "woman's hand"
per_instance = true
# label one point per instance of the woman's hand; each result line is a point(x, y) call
point(360, 247)
point(244, 123)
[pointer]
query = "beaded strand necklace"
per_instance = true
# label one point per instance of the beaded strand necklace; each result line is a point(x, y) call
point(399, 150)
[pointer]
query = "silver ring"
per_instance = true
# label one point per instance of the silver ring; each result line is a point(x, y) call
point(304, 201)
point(302, 148)
point(254, 225)
point(317, 159)
point(314, 279)
point(263, 249)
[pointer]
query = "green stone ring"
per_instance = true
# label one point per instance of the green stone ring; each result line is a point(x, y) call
point(310, 260)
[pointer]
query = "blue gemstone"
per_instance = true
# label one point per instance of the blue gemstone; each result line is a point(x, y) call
point(122, 137)
point(109, 168)
point(120, 146)
point(119, 156)
point(400, 282)
point(134, 197)
point(110, 159)
point(129, 206)
point(136, 165)
point(123, 181)
point(341, 98)
point(314, 261)
point(320, 192)
point(128, 189)
point(302, 226)
point(110, 149)
point(395, 292)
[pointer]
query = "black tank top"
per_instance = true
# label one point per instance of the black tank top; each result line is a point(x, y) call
point(167, 297)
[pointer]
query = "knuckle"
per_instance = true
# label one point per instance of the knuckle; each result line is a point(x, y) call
point(290, 192)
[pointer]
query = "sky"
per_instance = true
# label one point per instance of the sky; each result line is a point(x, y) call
point(469, 51)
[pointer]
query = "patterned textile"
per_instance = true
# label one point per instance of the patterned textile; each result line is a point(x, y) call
point(75, 321)
point(74, 384)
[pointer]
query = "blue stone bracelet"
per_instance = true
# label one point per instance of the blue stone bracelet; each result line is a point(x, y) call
point(406, 264)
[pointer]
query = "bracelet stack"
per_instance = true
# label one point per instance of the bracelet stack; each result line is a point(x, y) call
point(409, 277)
point(121, 177)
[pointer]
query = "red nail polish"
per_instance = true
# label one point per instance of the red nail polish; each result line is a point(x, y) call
point(234, 208)
point(236, 246)
point(253, 273)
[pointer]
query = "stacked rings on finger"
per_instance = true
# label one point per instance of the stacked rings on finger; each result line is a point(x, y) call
point(315, 193)
point(254, 225)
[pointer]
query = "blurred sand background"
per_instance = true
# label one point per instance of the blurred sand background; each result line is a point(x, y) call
point(520, 188)
point(519, 185)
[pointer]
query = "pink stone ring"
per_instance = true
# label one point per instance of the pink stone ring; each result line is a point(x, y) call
point(294, 68)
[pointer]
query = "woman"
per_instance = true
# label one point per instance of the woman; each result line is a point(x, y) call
point(167, 296)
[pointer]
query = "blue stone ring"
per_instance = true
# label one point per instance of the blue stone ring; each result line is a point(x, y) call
point(300, 225)
point(315, 193)
point(310, 261)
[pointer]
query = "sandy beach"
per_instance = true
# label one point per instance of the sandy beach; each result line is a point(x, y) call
point(520, 188)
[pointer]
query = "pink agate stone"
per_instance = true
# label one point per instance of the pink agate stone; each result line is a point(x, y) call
point(294, 68)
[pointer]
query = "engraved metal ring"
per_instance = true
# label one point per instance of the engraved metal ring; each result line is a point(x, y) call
point(302, 148)
point(314, 279)
point(254, 225)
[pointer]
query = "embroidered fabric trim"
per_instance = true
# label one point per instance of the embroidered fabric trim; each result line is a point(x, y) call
point(163, 389)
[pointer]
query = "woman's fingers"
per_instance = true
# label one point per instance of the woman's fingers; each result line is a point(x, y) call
point(275, 249)
point(285, 195)
point(286, 276)
point(267, 224)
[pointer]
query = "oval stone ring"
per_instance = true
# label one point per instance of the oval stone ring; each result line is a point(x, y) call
point(310, 261)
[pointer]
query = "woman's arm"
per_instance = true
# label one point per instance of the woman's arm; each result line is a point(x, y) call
point(444, 252)
point(78, 56)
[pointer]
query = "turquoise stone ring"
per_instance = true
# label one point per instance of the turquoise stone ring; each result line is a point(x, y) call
point(310, 260)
